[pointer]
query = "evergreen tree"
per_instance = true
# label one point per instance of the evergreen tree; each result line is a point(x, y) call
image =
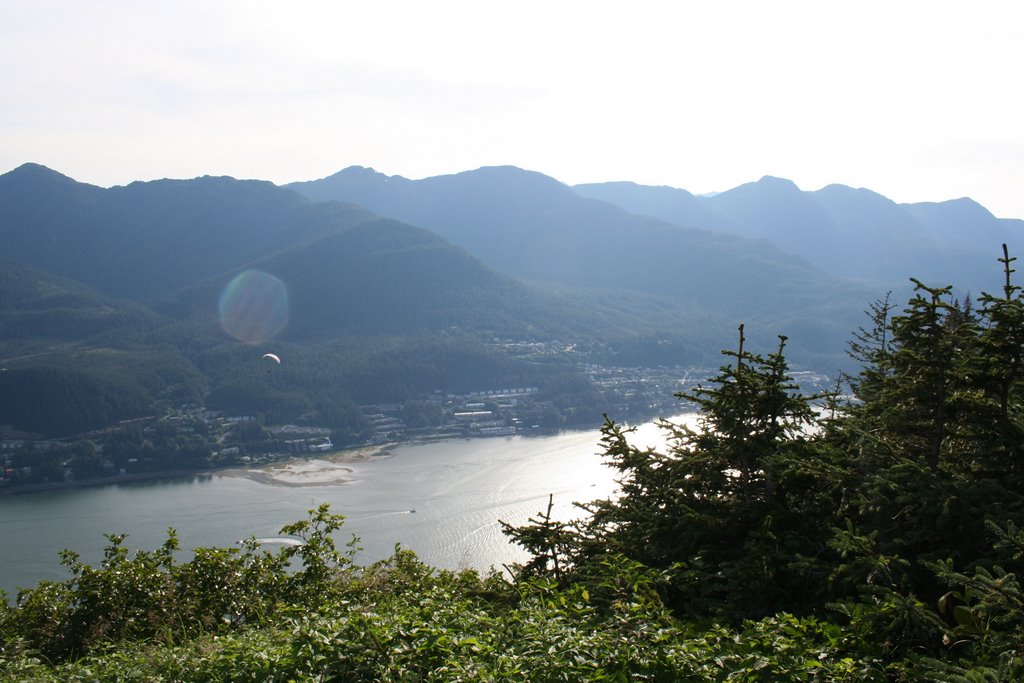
point(709, 507)
point(870, 347)
point(998, 374)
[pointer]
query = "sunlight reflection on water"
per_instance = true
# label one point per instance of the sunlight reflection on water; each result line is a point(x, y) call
point(458, 489)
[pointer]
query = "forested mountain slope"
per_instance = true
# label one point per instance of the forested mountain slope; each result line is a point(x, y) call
point(534, 227)
point(125, 294)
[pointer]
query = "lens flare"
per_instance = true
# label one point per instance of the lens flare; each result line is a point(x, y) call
point(253, 307)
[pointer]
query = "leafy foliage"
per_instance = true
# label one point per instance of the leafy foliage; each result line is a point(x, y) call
point(147, 596)
point(784, 537)
point(392, 621)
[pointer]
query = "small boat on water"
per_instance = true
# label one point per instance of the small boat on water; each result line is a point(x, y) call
point(279, 540)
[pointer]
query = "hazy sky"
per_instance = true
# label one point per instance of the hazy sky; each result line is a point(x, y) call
point(921, 101)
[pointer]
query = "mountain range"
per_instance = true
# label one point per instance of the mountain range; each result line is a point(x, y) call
point(397, 287)
point(853, 233)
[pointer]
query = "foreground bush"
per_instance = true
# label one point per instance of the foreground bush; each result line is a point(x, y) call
point(399, 620)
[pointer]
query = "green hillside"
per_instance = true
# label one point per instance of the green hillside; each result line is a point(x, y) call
point(868, 536)
point(149, 285)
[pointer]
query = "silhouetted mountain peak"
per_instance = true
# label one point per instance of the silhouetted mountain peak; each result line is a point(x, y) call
point(775, 191)
point(774, 182)
point(352, 172)
point(203, 184)
point(508, 172)
point(510, 180)
point(838, 192)
point(836, 188)
point(964, 223)
point(350, 182)
point(38, 207)
point(779, 193)
point(32, 176)
point(963, 208)
point(36, 172)
point(619, 188)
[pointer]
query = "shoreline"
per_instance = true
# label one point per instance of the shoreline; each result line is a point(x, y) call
point(262, 474)
point(330, 474)
point(106, 481)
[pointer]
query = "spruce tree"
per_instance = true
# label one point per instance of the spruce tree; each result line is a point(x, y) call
point(723, 507)
point(998, 374)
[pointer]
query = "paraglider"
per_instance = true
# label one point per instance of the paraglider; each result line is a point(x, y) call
point(272, 357)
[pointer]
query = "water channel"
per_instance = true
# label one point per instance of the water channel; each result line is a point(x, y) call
point(443, 500)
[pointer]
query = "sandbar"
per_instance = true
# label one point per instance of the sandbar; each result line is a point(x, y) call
point(328, 469)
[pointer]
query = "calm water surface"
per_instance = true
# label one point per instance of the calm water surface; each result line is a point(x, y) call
point(458, 489)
